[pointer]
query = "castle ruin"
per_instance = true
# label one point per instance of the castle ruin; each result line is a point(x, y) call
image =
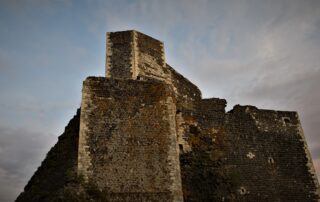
point(144, 133)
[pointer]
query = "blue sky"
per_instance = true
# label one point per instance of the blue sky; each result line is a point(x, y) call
point(263, 53)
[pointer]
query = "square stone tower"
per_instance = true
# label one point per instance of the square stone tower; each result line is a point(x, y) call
point(127, 139)
point(133, 55)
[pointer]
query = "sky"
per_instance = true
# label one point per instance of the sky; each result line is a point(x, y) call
point(263, 53)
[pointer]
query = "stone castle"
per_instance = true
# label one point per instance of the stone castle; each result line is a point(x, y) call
point(144, 133)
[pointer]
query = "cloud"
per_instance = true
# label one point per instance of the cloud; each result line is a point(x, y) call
point(21, 152)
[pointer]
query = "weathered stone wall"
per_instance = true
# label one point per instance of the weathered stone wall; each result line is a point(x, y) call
point(188, 95)
point(128, 143)
point(202, 149)
point(244, 155)
point(211, 112)
point(269, 156)
point(57, 169)
point(134, 55)
point(120, 55)
point(150, 56)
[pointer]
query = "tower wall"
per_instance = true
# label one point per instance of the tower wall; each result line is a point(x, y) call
point(128, 143)
point(120, 55)
point(150, 62)
point(133, 55)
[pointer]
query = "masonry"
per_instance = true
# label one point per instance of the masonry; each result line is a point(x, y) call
point(144, 133)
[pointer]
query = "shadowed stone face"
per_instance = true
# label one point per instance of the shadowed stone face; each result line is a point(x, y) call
point(128, 139)
point(133, 55)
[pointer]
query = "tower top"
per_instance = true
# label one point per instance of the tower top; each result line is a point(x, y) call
point(134, 55)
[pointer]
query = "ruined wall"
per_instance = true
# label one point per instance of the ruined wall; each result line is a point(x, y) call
point(244, 155)
point(202, 148)
point(269, 156)
point(188, 95)
point(128, 141)
point(57, 169)
point(211, 112)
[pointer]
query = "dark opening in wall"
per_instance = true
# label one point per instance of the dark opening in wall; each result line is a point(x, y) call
point(242, 191)
point(270, 160)
point(138, 77)
point(194, 130)
point(286, 119)
point(181, 147)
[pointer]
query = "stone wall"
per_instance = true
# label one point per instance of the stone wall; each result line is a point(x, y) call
point(150, 56)
point(269, 156)
point(128, 143)
point(120, 55)
point(202, 149)
point(188, 95)
point(134, 55)
point(57, 169)
point(246, 154)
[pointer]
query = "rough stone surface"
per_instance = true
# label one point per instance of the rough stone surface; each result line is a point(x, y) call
point(270, 156)
point(146, 134)
point(120, 55)
point(129, 139)
point(133, 55)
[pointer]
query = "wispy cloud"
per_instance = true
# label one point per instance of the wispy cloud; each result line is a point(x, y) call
point(21, 151)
